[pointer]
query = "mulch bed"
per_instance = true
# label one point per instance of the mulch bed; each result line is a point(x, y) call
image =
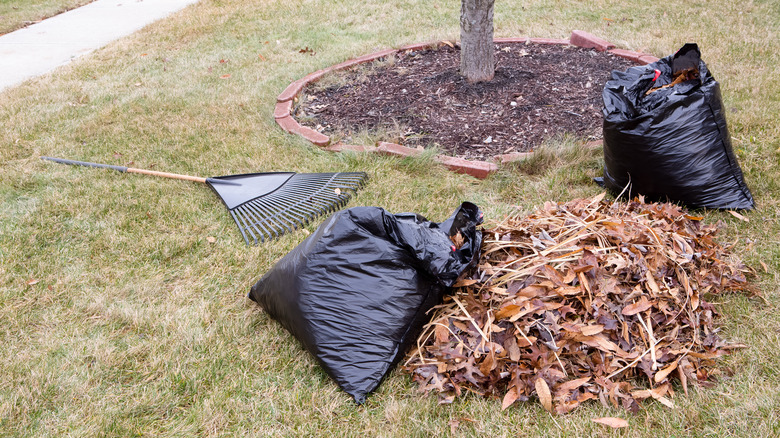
point(539, 91)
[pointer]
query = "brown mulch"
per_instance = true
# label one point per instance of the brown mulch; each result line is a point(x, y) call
point(538, 91)
point(586, 300)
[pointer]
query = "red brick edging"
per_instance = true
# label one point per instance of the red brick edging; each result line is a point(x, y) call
point(478, 169)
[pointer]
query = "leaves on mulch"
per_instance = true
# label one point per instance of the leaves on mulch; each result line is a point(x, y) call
point(586, 300)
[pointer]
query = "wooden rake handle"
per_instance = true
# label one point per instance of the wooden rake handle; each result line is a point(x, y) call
point(127, 169)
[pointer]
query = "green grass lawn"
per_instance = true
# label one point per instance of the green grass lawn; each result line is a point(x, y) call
point(15, 14)
point(120, 317)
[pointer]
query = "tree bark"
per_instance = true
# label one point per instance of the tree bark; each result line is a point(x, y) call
point(477, 61)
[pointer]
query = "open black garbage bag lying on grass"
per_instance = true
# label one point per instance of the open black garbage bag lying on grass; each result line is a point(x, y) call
point(355, 293)
point(665, 135)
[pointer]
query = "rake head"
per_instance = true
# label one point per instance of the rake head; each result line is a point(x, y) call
point(267, 205)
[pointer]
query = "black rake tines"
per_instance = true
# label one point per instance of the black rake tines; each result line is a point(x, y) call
point(299, 200)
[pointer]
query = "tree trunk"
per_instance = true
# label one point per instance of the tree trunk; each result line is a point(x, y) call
point(477, 62)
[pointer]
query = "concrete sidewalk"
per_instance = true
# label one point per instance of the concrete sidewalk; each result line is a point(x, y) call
point(44, 46)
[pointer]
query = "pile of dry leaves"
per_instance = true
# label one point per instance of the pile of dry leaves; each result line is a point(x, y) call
point(579, 301)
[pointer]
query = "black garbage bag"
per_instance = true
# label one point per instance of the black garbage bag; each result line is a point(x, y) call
point(355, 293)
point(665, 135)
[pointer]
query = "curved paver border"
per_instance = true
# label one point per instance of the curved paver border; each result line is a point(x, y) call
point(478, 169)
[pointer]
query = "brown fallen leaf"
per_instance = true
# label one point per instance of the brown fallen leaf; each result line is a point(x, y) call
point(664, 373)
point(652, 283)
point(613, 422)
point(32, 282)
point(509, 398)
point(591, 330)
point(509, 311)
point(654, 394)
point(543, 392)
point(463, 282)
point(442, 334)
point(571, 385)
point(447, 399)
point(683, 379)
point(738, 216)
point(638, 307)
point(666, 402)
point(226, 76)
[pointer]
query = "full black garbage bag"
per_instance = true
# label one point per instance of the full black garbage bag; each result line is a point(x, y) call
point(672, 144)
point(355, 293)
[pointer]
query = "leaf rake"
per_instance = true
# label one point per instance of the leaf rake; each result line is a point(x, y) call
point(267, 205)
